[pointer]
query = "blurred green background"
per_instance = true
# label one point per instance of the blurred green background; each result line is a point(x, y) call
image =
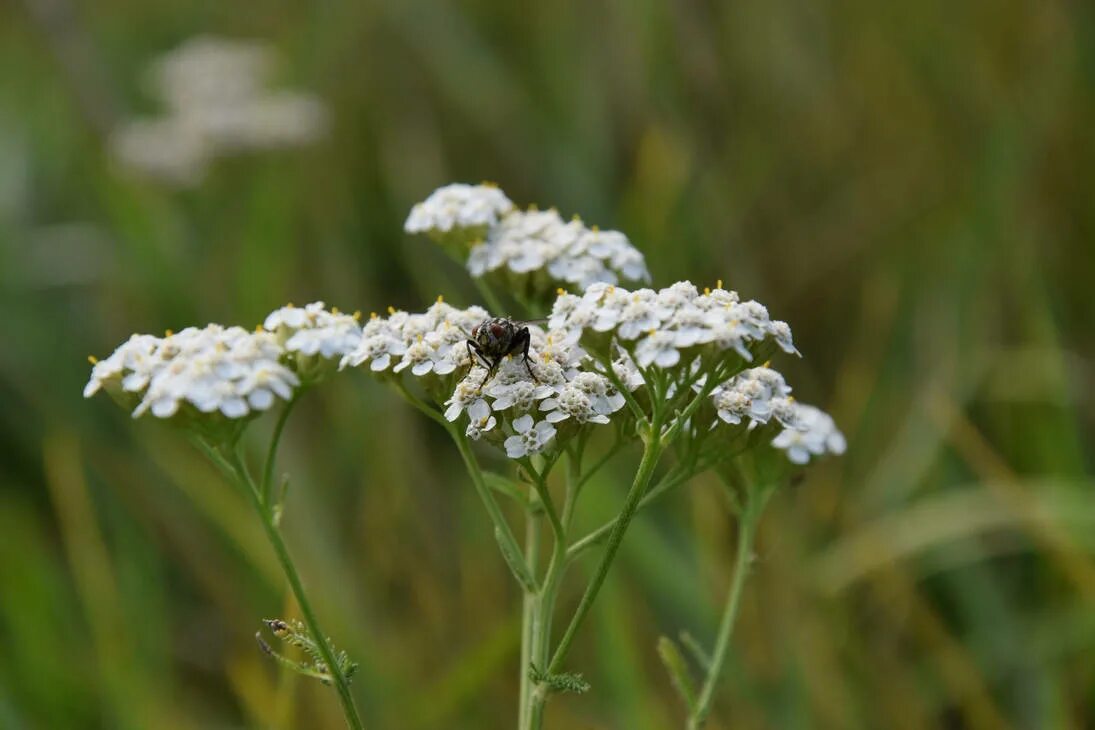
point(909, 184)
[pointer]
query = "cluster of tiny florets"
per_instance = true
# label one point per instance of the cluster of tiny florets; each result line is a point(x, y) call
point(761, 395)
point(534, 247)
point(657, 325)
point(458, 206)
point(812, 432)
point(217, 104)
point(214, 369)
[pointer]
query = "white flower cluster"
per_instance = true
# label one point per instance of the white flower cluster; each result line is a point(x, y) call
point(458, 206)
point(313, 330)
point(214, 369)
point(213, 90)
point(525, 242)
point(761, 394)
point(661, 324)
point(532, 244)
point(813, 433)
point(434, 344)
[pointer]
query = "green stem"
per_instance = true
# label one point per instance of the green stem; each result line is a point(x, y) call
point(746, 533)
point(597, 536)
point(266, 517)
point(528, 612)
point(271, 453)
point(651, 453)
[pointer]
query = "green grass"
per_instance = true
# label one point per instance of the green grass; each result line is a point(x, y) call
point(908, 185)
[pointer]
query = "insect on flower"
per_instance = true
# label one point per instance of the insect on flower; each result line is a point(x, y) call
point(494, 339)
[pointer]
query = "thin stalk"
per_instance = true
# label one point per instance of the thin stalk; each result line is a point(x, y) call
point(651, 453)
point(746, 532)
point(271, 453)
point(597, 536)
point(549, 592)
point(528, 613)
point(274, 536)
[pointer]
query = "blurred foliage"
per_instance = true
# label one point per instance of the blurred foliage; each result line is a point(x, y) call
point(908, 184)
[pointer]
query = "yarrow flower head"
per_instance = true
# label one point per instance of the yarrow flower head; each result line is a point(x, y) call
point(533, 249)
point(762, 396)
point(214, 371)
point(659, 328)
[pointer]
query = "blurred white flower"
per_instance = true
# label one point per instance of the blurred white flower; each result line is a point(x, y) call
point(217, 104)
point(814, 434)
point(458, 206)
point(165, 149)
point(206, 71)
point(528, 438)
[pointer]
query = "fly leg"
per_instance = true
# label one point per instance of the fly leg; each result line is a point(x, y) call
point(521, 341)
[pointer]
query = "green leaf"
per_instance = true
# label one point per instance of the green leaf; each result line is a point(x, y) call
point(678, 671)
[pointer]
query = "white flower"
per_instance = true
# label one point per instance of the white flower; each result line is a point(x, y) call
point(477, 427)
point(781, 333)
point(657, 348)
point(467, 397)
point(815, 434)
point(529, 438)
point(521, 395)
point(312, 330)
point(627, 371)
point(458, 206)
point(131, 365)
